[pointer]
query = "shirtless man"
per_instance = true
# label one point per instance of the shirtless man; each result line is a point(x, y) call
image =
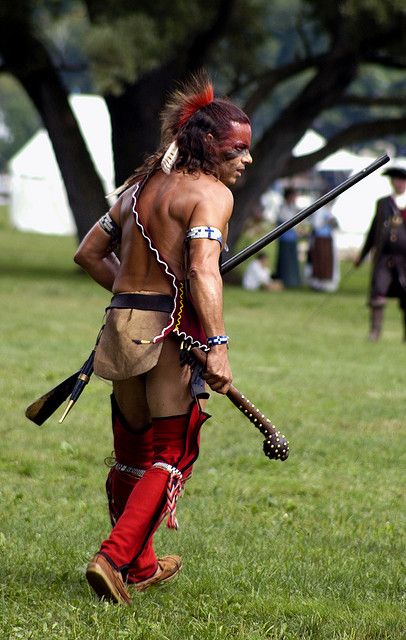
point(171, 221)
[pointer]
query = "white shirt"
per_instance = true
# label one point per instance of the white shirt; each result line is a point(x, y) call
point(400, 200)
point(255, 275)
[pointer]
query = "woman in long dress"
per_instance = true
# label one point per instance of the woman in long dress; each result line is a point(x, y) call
point(323, 255)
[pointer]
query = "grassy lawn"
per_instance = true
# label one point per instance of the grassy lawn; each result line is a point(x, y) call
point(312, 548)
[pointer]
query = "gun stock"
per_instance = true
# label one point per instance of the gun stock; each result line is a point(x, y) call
point(46, 405)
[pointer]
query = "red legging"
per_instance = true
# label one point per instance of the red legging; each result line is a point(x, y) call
point(175, 442)
point(132, 449)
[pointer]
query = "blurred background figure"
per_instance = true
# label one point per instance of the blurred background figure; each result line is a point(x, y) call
point(258, 275)
point(323, 268)
point(387, 239)
point(287, 262)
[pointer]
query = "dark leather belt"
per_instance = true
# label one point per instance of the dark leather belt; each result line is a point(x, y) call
point(154, 302)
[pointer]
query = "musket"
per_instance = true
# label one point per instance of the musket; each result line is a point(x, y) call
point(47, 404)
point(259, 244)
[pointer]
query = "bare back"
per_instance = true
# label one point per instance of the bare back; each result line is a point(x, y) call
point(168, 205)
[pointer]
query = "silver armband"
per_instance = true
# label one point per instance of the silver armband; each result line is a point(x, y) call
point(207, 232)
point(109, 226)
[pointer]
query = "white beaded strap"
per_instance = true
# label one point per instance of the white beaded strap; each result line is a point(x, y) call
point(175, 485)
point(108, 225)
point(206, 232)
point(127, 469)
point(211, 342)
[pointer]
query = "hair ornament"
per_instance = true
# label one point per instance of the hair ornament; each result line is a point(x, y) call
point(170, 157)
point(195, 102)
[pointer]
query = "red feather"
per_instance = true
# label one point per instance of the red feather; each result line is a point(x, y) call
point(196, 102)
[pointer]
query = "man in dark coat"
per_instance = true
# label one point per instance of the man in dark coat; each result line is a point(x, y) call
point(387, 239)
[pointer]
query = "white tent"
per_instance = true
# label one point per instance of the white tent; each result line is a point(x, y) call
point(311, 141)
point(344, 160)
point(38, 196)
point(355, 208)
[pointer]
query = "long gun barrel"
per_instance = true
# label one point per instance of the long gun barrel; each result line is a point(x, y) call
point(256, 246)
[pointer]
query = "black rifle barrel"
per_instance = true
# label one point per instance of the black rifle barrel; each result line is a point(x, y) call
point(259, 244)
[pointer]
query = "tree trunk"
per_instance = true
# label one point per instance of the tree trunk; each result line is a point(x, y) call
point(135, 120)
point(331, 80)
point(26, 58)
point(135, 113)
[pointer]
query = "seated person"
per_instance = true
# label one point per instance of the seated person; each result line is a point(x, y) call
point(258, 275)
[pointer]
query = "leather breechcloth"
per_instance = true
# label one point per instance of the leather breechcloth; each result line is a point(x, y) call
point(131, 317)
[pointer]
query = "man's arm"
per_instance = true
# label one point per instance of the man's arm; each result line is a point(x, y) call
point(369, 242)
point(206, 286)
point(95, 254)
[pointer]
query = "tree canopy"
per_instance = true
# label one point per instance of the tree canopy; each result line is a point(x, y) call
point(291, 64)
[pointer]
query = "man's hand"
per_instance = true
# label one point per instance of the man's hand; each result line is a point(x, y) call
point(218, 372)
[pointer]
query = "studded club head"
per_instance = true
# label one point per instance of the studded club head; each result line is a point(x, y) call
point(276, 447)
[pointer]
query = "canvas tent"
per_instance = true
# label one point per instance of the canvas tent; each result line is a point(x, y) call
point(311, 141)
point(354, 209)
point(38, 196)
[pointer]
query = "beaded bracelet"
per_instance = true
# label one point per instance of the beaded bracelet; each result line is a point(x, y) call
point(215, 340)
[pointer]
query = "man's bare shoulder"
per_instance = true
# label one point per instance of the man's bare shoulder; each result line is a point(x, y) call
point(206, 189)
point(209, 202)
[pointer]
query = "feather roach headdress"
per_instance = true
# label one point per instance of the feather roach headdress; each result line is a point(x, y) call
point(182, 104)
point(197, 93)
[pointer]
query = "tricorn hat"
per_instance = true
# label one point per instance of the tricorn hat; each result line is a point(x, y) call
point(395, 172)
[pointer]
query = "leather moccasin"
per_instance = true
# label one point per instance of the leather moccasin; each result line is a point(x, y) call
point(168, 569)
point(106, 581)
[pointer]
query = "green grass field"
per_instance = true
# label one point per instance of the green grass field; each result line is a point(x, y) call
point(312, 548)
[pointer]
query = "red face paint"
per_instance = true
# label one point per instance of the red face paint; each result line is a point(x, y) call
point(236, 153)
point(238, 141)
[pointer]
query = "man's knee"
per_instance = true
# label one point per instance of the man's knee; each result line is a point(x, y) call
point(130, 401)
point(131, 447)
point(169, 437)
point(176, 438)
point(377, 302)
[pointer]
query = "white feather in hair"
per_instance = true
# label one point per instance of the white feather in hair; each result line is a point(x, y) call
point(170, 157)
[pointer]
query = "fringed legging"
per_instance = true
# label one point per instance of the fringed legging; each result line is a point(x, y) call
point(163, 453)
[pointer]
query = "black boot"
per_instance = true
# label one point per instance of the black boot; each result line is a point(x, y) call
point(376, 323)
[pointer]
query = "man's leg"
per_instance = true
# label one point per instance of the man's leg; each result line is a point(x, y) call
point(133, 449)
point(376, 319)
point(404, 325)
point(175, 431)
point(402, 305)
point(380, 283)
point(133, 454)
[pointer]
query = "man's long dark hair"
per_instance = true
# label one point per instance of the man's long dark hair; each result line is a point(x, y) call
point(190, 114)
